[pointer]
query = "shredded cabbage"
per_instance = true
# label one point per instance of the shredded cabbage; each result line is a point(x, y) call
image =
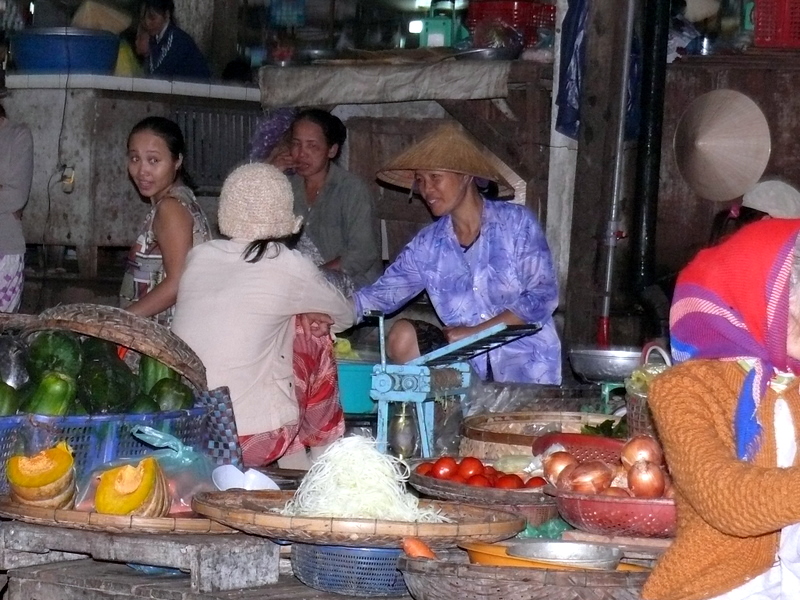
point(353, 480)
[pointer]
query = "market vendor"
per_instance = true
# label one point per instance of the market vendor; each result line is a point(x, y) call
point(175, 223)
point(339, 232)
point(483, 262)
point(172, 52)
point(727, 418)
point(237, 307)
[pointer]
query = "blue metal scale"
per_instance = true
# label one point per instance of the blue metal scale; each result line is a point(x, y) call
point(443, 372)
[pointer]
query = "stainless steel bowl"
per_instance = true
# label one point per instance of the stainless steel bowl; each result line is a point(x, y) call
point(562, 552)
point(604, 364)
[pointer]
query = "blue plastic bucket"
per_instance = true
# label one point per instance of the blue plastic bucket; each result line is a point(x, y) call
point(355, 380)
point(65, 50)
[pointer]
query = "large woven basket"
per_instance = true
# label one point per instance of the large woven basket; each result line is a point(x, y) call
point(496, 435)
point(145, 336)
point(453, 579)
point(257, 513)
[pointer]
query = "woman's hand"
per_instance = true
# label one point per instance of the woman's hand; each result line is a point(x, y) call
point(453, 334)
point(281, 158)
point(316, 324)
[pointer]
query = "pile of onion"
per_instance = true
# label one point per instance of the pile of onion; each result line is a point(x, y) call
point(640, 473)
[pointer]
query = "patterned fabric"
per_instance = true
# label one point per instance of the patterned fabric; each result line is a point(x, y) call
point(12, 270)
point(223, 441)
point(510, 268)
point(732, 303)
point(321, 419)
point(145, 268)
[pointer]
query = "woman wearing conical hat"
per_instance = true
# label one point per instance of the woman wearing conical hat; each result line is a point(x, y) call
point(482, 262)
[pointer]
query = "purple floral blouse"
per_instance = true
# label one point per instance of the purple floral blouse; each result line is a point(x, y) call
point(509, 266)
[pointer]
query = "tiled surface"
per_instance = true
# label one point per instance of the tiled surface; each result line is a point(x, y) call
point(134, 84)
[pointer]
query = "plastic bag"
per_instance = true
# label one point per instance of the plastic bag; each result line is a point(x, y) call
point(187, 471)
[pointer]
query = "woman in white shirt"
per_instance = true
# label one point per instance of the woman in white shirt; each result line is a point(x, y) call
point(237, 306)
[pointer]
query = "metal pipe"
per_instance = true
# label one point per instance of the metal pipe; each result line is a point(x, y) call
point(619, 175)
point(655, 35)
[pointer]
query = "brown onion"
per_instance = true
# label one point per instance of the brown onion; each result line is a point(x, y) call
point(616, 491)
point(591, 477)
point(554, 463)
point(620, 476)
point(641, 447)
point(563, 480)
point(646, 480)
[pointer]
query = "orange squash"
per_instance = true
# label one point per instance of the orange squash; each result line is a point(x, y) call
point(45, 479)
point(133, 490)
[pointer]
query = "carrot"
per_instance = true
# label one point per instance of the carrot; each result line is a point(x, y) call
point(416, 548)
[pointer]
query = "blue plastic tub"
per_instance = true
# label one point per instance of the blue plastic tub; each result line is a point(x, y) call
point(65, 50)
point(355, 380)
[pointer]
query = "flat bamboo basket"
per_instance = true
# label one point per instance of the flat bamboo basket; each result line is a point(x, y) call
point(533, 504)
point(492, 436)
point(453, 579)
point(145, 336)
point(92, 521)
point(256, 512)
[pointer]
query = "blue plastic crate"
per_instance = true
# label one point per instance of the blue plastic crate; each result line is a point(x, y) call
point(349, 571)
point(98, 439)
point(10, 443)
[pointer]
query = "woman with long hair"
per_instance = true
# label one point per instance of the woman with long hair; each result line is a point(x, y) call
point(175, 223)
point(238, 306)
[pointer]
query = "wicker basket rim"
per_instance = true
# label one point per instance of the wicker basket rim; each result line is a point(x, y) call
point(124, 328)
point(248, 509)
point(93, 521)
point(472, 424)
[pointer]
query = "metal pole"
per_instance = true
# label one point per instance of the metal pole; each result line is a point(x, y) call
point(619, 175)
point(648, 162)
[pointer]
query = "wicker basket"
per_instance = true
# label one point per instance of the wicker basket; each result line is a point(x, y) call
point(98, 439)
point(640, 420)
point(454, 579)
point(495, 436)
point(145, 336)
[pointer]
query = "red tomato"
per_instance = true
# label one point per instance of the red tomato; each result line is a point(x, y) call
point(535, 482)
point(444, 467)
point(457, 478)
point(479, 481)
point(489, 470)
point(509, 482)
point(424, 468)
point(470, 466)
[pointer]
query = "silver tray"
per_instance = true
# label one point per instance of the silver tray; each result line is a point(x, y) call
point(605, 364)
point(577, 554)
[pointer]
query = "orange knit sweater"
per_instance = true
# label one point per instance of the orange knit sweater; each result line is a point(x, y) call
point(730, 512)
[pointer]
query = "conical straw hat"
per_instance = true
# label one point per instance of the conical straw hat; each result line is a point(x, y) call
point(448, 148)
point(722, 145)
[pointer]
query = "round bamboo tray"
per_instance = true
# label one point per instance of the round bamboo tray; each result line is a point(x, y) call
point(254, 512)
point(453, 579)
point(493, 436)
point(126, 329)
point(92, 521)
point(533, 504)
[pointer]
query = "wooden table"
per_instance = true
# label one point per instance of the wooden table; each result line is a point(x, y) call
point(90, 580)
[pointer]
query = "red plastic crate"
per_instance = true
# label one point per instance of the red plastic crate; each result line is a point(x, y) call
point(777, 23)
point(527, 16)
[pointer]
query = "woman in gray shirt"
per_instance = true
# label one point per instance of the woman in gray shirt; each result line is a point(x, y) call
point(335, 204)
point(16, 174)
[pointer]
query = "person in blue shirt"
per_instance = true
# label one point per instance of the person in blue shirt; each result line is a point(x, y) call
point(173, 52)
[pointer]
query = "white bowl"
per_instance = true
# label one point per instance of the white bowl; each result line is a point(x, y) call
point(228, 477)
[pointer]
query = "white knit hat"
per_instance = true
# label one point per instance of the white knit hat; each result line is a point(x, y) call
point(774, 197)
point(256, 203)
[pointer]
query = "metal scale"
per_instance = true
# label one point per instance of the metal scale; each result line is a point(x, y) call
point(443, 372)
